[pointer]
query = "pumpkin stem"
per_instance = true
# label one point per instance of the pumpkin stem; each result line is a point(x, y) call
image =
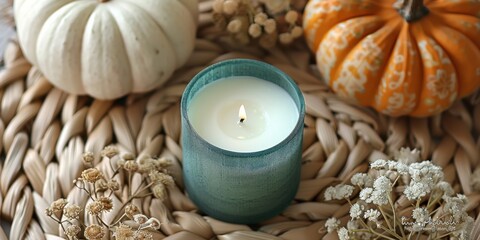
point(411, 10)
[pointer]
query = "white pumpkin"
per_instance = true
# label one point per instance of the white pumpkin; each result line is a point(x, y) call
point(104, 48)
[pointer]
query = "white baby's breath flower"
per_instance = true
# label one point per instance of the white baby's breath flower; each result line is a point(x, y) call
point(416, 190)
point(353, 225)
point(383, 184)
point(456, 206)
point(338, 192)
point(419, 179)
point(421, 216)
point(378, 164)
point(391, 165)
point(407, 156)
point(426, 171)
point(465, 229)
point(380, 197)
point(417, 227)
point(382, 188)
point(366, 194)
point(380, 192)
point(362, 180)
point(332, 224)
point(402, 168)
point(445, 188)
point(356, 210)
point(343, 234)
point(329, 193)
point(372, 215)
point(424, 177)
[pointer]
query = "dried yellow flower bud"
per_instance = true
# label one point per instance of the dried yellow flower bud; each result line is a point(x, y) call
point(94, 232)
point(88, 157)
point(101, 185)
point(123, 232)
point(285, 38)
point(270, 26)
point(140, 218)
point(276, 6)
point(92, 175)
point(230, 6)
point(144, 159)
point(48, 212)
point(131, 166)
point(234, 26)
point(72, 231)
point(146, 165)
point(95, 208)
point(107, 203)
point(72, 211)
point(291, 16)
point(260, 18)
point(58, 205)
point(142, 235)
point(128, 156)
point(113, 185)
point(217, 6)
point(161, 178)
point(162, 163)
point(297, 32)
point(120, 163)
point(159, 191)
point(255, 30)
point(109, 151)
point(131, 210)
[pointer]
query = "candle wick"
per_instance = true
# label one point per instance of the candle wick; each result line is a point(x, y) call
point(242, 114)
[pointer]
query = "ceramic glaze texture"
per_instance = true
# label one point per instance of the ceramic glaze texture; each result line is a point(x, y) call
point(241, 187)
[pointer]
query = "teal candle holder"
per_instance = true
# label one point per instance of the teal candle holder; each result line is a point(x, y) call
point(241, 187)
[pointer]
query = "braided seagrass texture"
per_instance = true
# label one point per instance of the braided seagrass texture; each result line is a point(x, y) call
point(44, 131)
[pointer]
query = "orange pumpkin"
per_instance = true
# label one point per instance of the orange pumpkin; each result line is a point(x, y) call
point(406, 57)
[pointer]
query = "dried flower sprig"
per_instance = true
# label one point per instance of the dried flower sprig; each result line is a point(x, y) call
point(266, 22)
point(100, 188)
point(432, 208)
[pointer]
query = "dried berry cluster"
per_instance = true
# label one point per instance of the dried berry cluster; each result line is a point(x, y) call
point(129, 222)
point(265, 21)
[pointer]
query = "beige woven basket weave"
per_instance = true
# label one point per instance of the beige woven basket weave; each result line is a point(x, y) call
point(44, 131)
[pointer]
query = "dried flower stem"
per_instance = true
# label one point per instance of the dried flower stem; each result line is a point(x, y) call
point(96, 184)
point(133, 196)
point(396, 221)
point(375, 232)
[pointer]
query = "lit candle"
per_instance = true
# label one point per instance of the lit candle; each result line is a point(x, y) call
point(242, 131)
point(218, 113)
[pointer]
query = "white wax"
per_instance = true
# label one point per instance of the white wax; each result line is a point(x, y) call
point(271, 114)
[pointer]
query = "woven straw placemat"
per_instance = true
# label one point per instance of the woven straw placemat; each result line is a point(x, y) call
point(44, 131)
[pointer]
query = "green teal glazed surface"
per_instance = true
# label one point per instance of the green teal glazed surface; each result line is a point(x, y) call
point(241, 187)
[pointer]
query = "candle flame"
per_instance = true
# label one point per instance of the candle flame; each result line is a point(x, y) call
point(242, 114)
